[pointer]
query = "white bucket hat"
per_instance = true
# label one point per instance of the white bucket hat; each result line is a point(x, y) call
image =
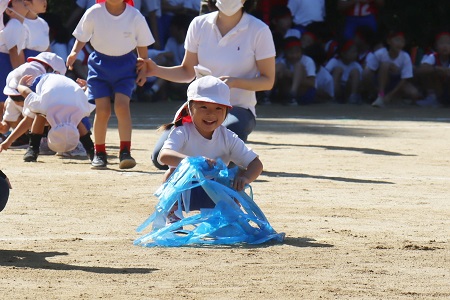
point(63, 137)
point(51, 59)
point(207, 89)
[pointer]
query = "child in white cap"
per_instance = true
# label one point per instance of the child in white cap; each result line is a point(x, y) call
point(61, 103)
point(115, 30)
point(198, 131)
point(45, 62)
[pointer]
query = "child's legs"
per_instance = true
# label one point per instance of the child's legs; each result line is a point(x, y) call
point(353, 81)
point(101, 119)
point(38, 124)
point(122, 110)
point(410, 91)
point(298, 77)
point(82, 129)
point(337, 78)
point(367, 82)
point(385, 72)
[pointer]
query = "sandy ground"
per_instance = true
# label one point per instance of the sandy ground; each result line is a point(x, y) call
point(362, 195)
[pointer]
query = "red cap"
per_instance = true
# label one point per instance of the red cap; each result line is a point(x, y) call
point(129, 2)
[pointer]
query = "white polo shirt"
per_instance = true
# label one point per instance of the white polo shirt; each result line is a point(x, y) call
point(233, 55)
point(113, 35)
point(224, 144)
point(338, 63)
point(431, 60)
point(402, 61)
point(37, 34)
point(59, 99)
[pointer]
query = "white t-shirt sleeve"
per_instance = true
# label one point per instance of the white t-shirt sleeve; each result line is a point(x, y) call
point(372, 62)
point(407, 67)
point(85, 28)
point(332, 63)
point(14, 35)
point(143, 33)
point(310, 67)
point(175, 141)
point(428, 59)
point(32, 105)
point(240, 154)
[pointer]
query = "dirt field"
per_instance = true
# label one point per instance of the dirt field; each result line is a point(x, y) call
point(362, 194)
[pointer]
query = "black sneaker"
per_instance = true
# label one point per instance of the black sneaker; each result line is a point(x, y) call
point(91, 154)
point(99, 160)
point(30, 155)
point(126, 161)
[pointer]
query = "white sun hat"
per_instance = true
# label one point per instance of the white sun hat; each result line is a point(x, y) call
point(63, 137)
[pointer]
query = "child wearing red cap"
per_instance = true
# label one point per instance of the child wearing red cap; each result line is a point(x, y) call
point(346, 72)
point(434, 71)
point(391, 68)
point(115, 30)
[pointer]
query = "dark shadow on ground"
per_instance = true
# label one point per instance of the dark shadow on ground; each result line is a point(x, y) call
point(334, 178)
point(304, 242)
point(336, 148)
point(38, 260)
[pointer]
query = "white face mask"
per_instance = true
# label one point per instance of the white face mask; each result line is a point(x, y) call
point(229, 7)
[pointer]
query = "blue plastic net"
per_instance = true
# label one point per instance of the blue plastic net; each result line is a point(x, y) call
point(226, 223)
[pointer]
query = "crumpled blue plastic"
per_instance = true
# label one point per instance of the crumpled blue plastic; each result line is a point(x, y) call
point(227, 223)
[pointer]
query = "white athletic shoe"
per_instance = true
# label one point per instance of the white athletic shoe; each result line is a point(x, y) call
point(430, 101)
point(78, 151)
point(44, 149)
point(379, 102)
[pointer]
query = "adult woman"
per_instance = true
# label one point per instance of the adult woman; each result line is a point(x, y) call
point(238, 48)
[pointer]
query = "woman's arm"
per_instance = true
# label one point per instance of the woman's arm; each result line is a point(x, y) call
point(183, 73)
point(263, 82)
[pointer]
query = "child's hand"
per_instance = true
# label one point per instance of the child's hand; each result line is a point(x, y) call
point(141, 78)
point(148, 64)
point(240, 182)
point(26, 80)
point(71, 60)
point(5, 145)
point(82, 83)
point(211, 162)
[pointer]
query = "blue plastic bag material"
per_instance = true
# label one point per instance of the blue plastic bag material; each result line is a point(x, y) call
point(227, 223)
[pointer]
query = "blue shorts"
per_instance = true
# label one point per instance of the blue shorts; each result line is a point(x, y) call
point(30, 53)
point(352, 23)
point(109, 75)
point(87, 123)
point(6, 67)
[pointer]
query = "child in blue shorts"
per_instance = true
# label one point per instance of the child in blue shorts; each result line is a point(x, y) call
point(114, 29)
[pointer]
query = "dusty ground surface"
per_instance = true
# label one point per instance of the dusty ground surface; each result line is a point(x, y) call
point(362, 194)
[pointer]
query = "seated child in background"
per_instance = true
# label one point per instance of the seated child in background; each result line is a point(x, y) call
point(281, 23)
point(346, 72)
point(198, 131)
point(295, 74)
point(434, 72)
point(59, 101)
point(390, 68)
point(324, 80)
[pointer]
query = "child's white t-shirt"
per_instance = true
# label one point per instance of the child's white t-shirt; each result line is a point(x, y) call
point(431, 60)
point(402, 61)
point(37, 34)
point(113, 35)
point(59, 99)
point(324, 81)
point(224, 144)
point(14, 34)
point(338, 63)
point(233, 55)
point(305, 12)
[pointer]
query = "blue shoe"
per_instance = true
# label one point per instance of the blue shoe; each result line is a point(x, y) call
point(429, 101)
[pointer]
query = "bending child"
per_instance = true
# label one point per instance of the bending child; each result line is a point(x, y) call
point(198, 131)
point(61, 103)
